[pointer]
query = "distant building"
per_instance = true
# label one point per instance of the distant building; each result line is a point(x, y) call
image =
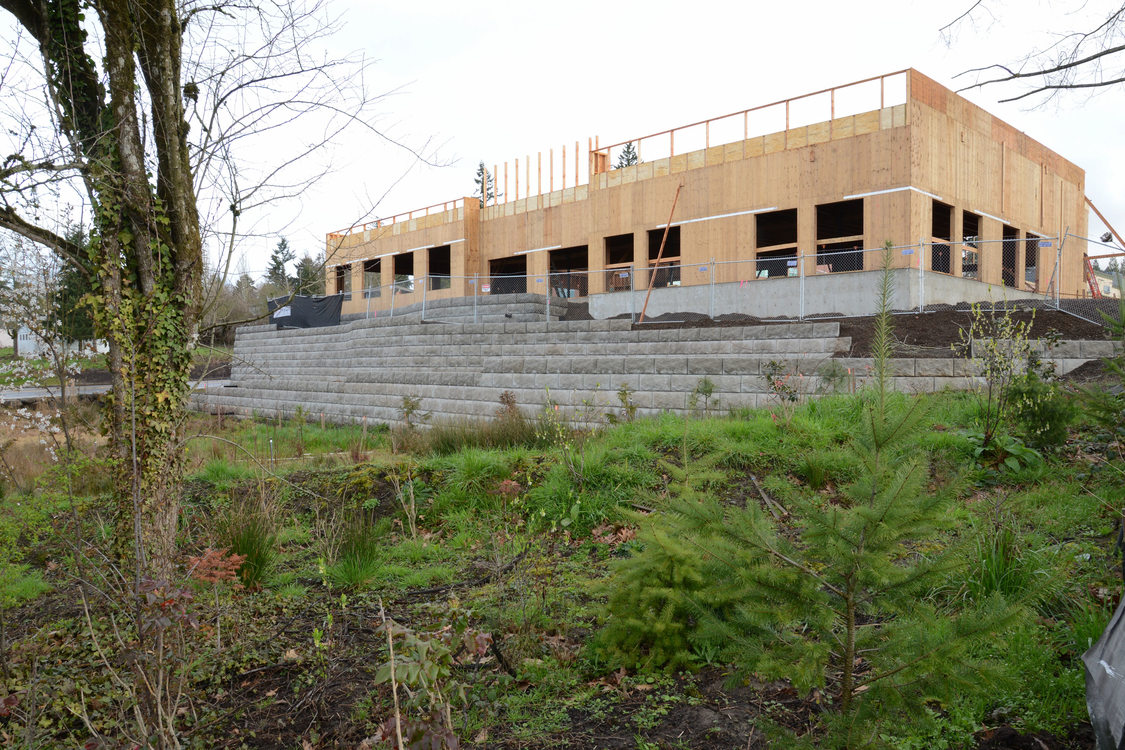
point(1109, 284)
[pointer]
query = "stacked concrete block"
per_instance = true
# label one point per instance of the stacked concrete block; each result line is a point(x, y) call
point(366, 368)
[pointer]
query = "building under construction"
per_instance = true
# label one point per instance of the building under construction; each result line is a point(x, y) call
point(797, 188)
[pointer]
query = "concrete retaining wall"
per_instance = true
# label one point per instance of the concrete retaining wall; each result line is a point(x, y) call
point(365, 368)
point(846, 294)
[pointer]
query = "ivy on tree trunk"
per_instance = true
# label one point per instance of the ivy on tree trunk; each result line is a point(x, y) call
point(144, 259)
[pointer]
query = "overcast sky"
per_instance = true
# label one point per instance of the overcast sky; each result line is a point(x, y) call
point(498, 80)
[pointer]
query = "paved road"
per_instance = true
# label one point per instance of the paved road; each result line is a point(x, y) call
point(39, 394)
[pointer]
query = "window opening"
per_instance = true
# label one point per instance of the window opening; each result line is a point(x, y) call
point(404, 273)
point(344, 281)
point(439, 267)
point(1031, 261)
point(372, 277)
point(668, 274)
point(970, 247)
point(839, 236)
point(776, 228)
point(941, 235)
point(569, 270)
point(507, 275)
point(618, 262)
point(1009, 253)
point(772, 264)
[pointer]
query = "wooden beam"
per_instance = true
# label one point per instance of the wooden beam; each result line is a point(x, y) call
point(660, 252)
point(1105, 221)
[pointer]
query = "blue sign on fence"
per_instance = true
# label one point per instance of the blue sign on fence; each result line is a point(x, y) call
point(1044, 243)
point(791, 263)
point(908, 251)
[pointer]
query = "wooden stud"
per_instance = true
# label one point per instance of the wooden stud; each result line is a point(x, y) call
point(495, 174)
point(505, 182)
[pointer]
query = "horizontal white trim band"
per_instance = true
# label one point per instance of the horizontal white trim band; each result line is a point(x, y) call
point(538, 250)
point(720, 216)
point(892, 190)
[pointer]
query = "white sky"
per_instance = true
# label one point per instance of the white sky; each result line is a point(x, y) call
point(503, 79)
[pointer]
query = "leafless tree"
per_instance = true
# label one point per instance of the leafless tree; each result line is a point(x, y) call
point(1085, 59)
point(167, 124)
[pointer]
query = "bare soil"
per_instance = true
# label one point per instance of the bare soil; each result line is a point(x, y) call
point(929, 334)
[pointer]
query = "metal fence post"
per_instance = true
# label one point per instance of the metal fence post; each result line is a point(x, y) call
point(921, 277)
point(632, 294)
point(367, 294)
point(712, 315)
point(394, 288)
point(801, 285)
point(425, 285)
point(476, 291)
point(548, 298)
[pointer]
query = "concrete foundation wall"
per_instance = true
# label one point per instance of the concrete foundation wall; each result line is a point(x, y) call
point(845, 294)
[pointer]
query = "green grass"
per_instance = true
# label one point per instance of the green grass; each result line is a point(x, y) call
point(544, 610)
point(21, 583)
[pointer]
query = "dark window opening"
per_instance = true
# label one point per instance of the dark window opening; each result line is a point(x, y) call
point(440, 267)
point(668, 272)
point(839, 237)
point(970, 250)
point(404, 273)
point(344, 281)
point(569, 268)
point(941, 228)
point(839, 220)
point(1031, 261)
point(372, 277)
point(940, 258)
point(507, 275)
point(942, 222)
point(777, 228)
point(619, 263)
point(776, 263)
point(1009, 254)
point(619, 250)
point(839, 257)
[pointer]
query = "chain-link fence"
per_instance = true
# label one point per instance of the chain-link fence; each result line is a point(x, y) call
point(840, 279)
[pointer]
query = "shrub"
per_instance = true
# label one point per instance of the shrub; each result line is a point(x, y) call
point(658, 602)
point(1041, 411)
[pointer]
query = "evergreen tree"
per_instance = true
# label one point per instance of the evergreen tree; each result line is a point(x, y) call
point(484, 192)
point(309, 277)
point(276, 273)
point(835, 596)
point(628, 157)
point(76, 321)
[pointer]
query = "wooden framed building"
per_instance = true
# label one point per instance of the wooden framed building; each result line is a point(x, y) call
point(818, 178)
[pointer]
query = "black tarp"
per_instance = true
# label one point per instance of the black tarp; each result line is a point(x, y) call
point(305, 312)
point(1105, 683)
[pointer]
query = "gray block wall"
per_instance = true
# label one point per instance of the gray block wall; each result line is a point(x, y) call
point(364, 368)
